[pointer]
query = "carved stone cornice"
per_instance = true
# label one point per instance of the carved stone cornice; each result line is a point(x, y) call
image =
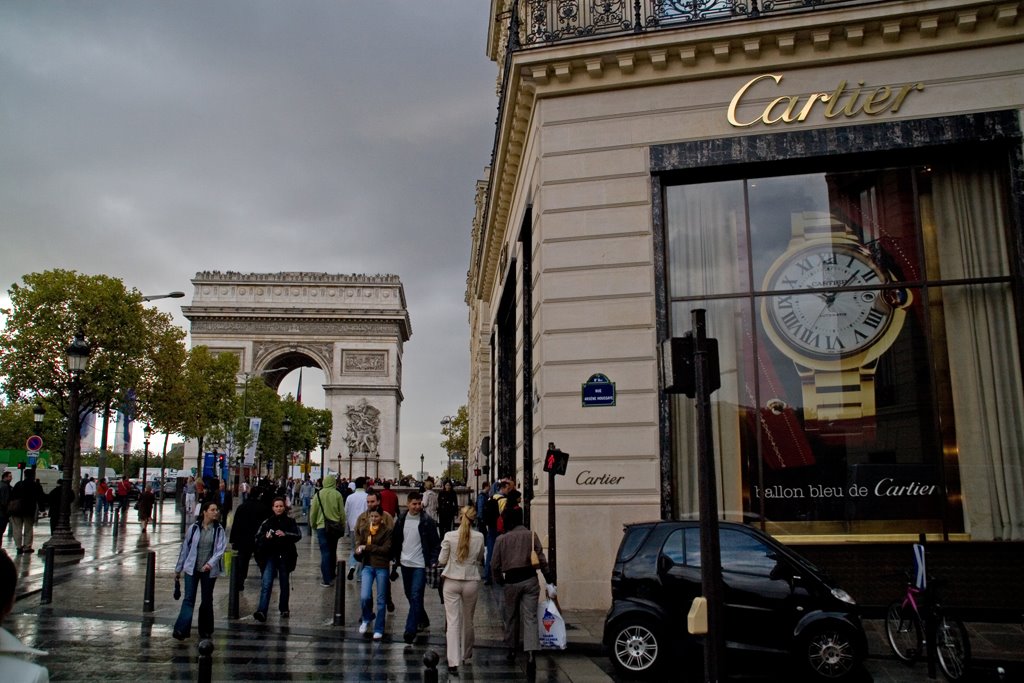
point(302, 328)
point(829, 35)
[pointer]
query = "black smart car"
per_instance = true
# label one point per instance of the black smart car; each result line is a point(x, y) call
point(776, 603)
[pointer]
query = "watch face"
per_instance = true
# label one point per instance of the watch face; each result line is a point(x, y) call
point(832, 322)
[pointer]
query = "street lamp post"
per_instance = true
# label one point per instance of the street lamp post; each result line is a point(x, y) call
point(169, 295)
point(322, 438)
point(286, 427)
point(146, 431)
point(63, 540)
point(421, 467)
point(351, 457)
point(38, 413)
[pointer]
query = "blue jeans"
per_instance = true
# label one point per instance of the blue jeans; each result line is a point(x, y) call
point(193, 582)
point(328, 555)
point(414, 579)
point(370, 576)
point(274, 566)
point(306, 503)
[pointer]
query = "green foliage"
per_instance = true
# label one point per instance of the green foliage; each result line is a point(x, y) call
point(456, 434)
point(209, 390)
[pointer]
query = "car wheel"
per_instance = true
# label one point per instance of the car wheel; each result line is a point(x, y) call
point(829, 652)
point(637, 647)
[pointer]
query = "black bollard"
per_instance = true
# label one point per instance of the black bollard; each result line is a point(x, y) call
point(339, 595)
point(233, 581)
point(149, 596)
point(46, 597)
point(184, 522)
point(205, 661)
point(430, 660)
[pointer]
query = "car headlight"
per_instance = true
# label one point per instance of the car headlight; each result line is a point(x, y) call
point(840, 594)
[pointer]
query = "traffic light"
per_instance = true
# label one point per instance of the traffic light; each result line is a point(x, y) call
point(556, 461)
point(21, 465)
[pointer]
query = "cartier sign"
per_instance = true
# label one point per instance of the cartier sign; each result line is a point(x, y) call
point(845, 100)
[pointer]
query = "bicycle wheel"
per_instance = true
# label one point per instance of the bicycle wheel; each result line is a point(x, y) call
point(903, 629)
point(952, 647)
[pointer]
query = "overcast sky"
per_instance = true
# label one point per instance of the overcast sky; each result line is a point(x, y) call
point(151, 140)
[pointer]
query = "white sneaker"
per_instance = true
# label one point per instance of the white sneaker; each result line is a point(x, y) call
point(363, 625)
point(378, 636)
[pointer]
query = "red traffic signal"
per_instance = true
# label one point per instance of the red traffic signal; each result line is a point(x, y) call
point(556, 461)
point(21, 465)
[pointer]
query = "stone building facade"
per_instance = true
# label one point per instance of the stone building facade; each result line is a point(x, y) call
point(839, 186)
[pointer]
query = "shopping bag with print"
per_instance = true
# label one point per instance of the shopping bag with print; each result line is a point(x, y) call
point(550, 625)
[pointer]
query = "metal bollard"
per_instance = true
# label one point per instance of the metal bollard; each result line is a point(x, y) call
point(205, 673)
point(46, 597)
point(233, 586)
point(149, 595)
point(184, 522)
point(430, 660)
point(339, 595)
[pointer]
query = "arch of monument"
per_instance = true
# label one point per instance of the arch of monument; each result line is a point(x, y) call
point(352, 327)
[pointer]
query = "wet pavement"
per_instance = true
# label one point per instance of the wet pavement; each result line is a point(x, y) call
point(96, 627)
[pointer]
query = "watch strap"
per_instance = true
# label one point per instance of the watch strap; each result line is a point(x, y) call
point(839, 405)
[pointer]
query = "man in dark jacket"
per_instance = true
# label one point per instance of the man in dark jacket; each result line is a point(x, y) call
point(415, 545)
point(248, 518)
point(5, 498)
point(27, 497)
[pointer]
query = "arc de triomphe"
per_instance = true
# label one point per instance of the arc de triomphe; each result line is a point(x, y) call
point(352, 327)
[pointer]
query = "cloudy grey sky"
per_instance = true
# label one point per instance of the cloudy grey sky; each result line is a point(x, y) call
point(149, 140)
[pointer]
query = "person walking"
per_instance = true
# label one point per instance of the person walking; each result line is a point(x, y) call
point(13, 666)
point(190, 497)
point(372, 544)
point(327, 505)
point(306, 494)
point(244, 525)
point(462, 554)
point(388, 499)
point(145, 506)
point(101, 500)
point(512, 567)
point(201, 558)
point(276, 555)
point(88, 497)
point(447, 507)
point(355, 505)
point(430, 497)
point(124, 487)
point(27, 498)
point(415, 548)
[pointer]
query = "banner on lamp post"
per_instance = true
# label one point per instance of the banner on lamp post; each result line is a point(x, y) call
point(254, 438)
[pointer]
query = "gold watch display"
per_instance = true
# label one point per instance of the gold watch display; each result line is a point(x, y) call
point(832, 326)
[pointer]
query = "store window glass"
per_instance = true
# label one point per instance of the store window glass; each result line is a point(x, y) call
point(867, 340)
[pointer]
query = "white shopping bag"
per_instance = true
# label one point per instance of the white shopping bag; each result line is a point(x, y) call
point(550, 625)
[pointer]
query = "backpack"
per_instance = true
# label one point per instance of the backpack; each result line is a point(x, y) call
point(492, 514)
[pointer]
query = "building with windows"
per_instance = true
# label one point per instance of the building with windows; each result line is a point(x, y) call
point(840, 186)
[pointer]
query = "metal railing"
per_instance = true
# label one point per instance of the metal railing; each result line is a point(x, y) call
point(549, 21)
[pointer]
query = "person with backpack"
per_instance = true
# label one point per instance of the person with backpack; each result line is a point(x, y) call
point(493, 522)
point(327, 521)
point(201, 559)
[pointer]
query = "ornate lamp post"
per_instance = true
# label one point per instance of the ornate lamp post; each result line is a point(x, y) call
point(38, 413)
point(351, 457)
point(322, 439)
point(421, 466)
point(286, 428)
point(146, 431)
point(63, 540)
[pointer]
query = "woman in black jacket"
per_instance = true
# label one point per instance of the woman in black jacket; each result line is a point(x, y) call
point(447, 508)
point(276, 554)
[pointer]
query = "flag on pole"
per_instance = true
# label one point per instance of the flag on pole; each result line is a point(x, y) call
point(87, 432)
point(298, 392)
point(123, 429)
point(254, 438)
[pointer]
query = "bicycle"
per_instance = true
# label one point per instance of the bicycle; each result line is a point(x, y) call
point(905, 627)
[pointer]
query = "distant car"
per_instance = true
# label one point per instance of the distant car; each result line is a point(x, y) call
point(775, 604)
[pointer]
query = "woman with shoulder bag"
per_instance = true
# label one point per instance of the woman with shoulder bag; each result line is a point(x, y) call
point(201, 559)
point(373, 549)
point(462, 554)
point(513, 567)
point(276, 554)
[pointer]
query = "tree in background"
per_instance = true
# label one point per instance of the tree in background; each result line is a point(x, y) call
point(47, 310)
point(210, 404)
point(456, 443)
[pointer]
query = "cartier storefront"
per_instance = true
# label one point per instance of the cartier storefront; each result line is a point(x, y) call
point(842, 191)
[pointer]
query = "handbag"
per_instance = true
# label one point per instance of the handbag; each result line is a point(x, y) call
point(177, 589)
point(534, 558)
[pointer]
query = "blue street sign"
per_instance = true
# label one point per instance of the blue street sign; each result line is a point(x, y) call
point(598, 391)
